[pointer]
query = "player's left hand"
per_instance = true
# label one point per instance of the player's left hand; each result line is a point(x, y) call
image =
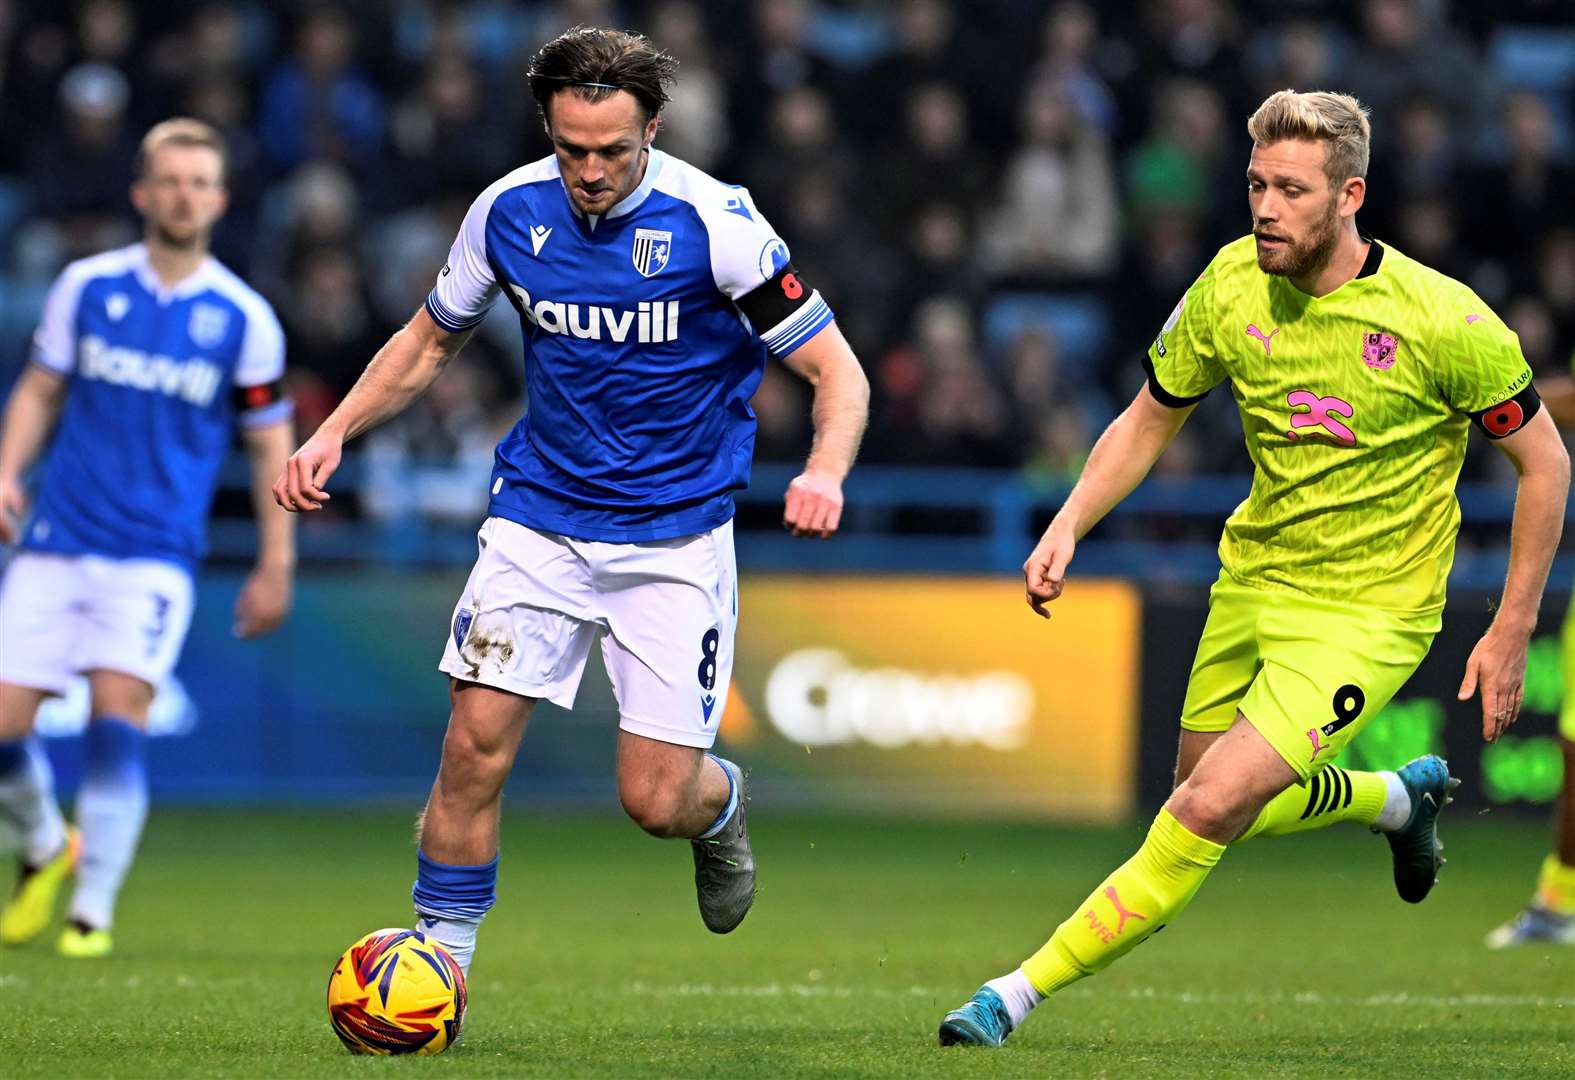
point(1497, 667)
point(264, 601)
point(814, 505)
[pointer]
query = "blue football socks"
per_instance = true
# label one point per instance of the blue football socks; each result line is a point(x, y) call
point(451, 902)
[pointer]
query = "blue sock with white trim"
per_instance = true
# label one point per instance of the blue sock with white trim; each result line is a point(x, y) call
point(451, 902)
point(27, 799)
point(732, 799)
point(112, 804)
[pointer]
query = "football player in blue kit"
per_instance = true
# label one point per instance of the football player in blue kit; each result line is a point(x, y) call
point(148, 356)
point(650, 296)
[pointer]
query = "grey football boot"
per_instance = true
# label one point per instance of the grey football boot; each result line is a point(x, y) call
point(725, 865)
point(1534, 926)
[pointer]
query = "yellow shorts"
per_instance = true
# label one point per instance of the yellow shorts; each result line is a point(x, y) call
point(1567, 710)
point(1307, 674)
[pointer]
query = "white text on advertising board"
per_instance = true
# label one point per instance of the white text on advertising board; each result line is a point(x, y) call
point(816, 697)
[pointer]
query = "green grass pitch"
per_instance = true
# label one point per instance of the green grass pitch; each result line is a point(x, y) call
point(1295, 960)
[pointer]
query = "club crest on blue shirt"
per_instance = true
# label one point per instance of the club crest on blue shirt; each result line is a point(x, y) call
point(116, 306)
point(651, 250)
point(208, 325)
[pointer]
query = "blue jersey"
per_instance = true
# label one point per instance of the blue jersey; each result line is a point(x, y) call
point(156, 377)
point(639, 358)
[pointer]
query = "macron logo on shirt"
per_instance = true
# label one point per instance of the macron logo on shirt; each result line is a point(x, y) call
point(652, 323)
point(195, 381)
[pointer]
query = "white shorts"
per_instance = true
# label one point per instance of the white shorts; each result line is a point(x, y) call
point(61, 615)
point(536, 601)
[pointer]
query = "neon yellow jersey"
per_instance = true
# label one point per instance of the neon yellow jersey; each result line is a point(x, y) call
point(1355, 407)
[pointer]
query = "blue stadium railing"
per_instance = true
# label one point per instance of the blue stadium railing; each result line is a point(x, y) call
point(998, 516)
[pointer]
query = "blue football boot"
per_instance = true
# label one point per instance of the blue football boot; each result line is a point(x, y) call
point(1418, 852)
point(980, 1021)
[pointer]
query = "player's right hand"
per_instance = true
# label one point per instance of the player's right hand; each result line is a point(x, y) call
point(13, 507)
point(300, 485)
point(1497, 668)
point(1045, 571)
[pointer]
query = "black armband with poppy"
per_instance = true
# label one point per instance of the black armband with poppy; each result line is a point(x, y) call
point(776, 300)
point(1509, 415)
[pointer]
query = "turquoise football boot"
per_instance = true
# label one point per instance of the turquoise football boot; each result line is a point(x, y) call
point(1418, 852)
point(980, 1021)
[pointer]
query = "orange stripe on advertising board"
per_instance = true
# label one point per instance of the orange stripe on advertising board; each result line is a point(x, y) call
point(938, 694)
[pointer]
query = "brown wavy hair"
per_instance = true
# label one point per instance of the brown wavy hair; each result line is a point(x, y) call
point(595, 64)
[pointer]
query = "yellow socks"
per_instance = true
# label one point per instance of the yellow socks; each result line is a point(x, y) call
point(1145, 893)
point(1332, 795)
point(1556, 886)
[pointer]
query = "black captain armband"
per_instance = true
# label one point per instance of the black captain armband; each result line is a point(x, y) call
point(779, 297)
point(1509, 416)
point(251, 398)
point(1163, 396)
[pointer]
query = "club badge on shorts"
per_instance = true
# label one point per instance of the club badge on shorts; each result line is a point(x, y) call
point(462, 620)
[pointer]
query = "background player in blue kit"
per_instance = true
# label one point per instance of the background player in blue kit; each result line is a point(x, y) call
point(148, 356)
point(649, 295)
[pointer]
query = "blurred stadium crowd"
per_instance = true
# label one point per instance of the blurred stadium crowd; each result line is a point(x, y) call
point(1002, 199)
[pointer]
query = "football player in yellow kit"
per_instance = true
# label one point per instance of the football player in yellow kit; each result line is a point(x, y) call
point(1358, 373)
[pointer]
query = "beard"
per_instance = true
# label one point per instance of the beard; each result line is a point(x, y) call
point(181, 238)
point(1304, 259)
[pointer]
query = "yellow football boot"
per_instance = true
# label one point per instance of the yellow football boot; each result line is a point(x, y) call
point(80, 944)
point(33, 904)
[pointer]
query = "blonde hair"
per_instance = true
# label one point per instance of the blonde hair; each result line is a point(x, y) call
point(181, 131)
point(1337, 119)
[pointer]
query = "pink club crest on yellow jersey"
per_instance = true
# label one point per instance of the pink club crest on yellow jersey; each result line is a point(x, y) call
point(1378, 351)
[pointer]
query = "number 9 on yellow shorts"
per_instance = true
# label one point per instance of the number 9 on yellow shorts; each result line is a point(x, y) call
point(1307, 674)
